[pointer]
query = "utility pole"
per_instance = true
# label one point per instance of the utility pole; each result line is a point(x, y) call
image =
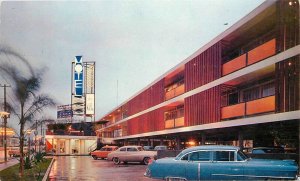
point(5, 122)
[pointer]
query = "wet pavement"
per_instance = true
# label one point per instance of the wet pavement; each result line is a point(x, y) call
point(85, 168)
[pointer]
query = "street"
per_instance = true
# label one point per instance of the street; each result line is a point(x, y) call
point(86, 168)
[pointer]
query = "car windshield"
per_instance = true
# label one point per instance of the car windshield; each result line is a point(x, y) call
point(103, 149)
point(241, 156)
point(179, 156)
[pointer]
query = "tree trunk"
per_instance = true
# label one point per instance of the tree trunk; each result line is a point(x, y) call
point(21, 168)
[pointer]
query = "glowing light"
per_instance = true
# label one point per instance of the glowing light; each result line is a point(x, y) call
point(290, 3)
point(290, 63)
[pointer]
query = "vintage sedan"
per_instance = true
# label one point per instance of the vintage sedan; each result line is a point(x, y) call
point(219, 163)
point(103, 152)
point(131, 154)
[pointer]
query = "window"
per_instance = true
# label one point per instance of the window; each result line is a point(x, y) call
point(186, 157)
point(108, 149)
point(241, 156)
point(268, 89)
point(251, 94)
point(132, 149)
point(233, 98)
point(123, 149)
point(197, 156)
point(224, 156)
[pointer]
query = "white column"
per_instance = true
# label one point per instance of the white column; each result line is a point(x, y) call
point(57, 146)
point(82, 147)
point(67, 146)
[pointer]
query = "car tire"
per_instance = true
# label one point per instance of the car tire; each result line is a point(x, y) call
point(95, 158)
point(116, 160)
point(146, 160)
point(125, 162)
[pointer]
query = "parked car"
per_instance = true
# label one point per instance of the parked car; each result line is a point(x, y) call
point(264, 150)
point(148, 148)
point(219, 163)
point(131, 154)
point(160, 147)
point(103, 152)
point(15, 151)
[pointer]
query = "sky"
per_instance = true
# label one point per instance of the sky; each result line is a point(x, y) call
point(133, 42)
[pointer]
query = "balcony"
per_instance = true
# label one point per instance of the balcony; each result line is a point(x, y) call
point(173, 123)
point(237, 110)
point(262, 105)
point(174, 118)
point(258, 106)
point(174, 92)
point(255, 55)
point(234, 65)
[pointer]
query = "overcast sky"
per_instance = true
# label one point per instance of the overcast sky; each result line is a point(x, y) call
point(132, 42)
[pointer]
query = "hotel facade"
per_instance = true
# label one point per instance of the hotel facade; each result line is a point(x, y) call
point(241, 88)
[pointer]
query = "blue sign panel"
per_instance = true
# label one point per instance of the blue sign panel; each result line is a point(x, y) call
point(64, 114)
point(78, 76)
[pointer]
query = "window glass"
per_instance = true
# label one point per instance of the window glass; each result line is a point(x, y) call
point(108, 149)
point(103, 149)
point(197, 156)
point(132, 149)
point(241, 156)
point(224, 156)
point(123, 149)
point(251, 94)
point(268, 89)
point(233, 98)
point(186, 157)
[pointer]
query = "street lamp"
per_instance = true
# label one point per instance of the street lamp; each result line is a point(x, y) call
point(5, 115)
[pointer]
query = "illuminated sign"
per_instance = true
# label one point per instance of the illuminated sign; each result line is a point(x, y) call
point(78, 76)
point(90, 104)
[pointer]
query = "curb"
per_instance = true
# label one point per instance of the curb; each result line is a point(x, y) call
point(48, 171)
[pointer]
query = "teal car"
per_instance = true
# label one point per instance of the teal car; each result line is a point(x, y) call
point(219, 163)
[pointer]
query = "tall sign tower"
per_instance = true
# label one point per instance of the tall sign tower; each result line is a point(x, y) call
point(83, 90)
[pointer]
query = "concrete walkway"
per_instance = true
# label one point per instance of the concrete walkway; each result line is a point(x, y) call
point(10, 162)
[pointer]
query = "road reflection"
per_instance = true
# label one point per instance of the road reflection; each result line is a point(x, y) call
point(86, 169)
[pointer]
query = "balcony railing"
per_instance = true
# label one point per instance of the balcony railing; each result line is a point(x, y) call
point(173, 123)
point(234, 65)
point(255, 55)
point(258, 106)
point(174, 92)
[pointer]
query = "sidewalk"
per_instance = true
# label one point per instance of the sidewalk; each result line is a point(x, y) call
point(10, 162)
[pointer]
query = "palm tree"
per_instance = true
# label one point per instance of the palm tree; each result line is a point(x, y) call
point(25, 87)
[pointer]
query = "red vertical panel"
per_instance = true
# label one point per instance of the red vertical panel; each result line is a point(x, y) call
point(204, 68)
point(203, 108)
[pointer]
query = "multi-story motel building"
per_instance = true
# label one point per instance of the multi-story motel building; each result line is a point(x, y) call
point(241, 88)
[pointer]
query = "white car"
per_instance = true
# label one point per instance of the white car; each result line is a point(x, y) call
point(131, 154)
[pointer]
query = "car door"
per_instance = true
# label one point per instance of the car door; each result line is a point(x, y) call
point(198, 165)
point(132, 154)
point(121, 154)
point(226, 167)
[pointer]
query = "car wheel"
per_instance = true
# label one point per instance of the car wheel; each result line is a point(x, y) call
point(116, 160)
point(146, 160)
point(125, 162)
point(95, 158)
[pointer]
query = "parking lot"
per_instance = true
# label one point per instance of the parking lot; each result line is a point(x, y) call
point(86, 168)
